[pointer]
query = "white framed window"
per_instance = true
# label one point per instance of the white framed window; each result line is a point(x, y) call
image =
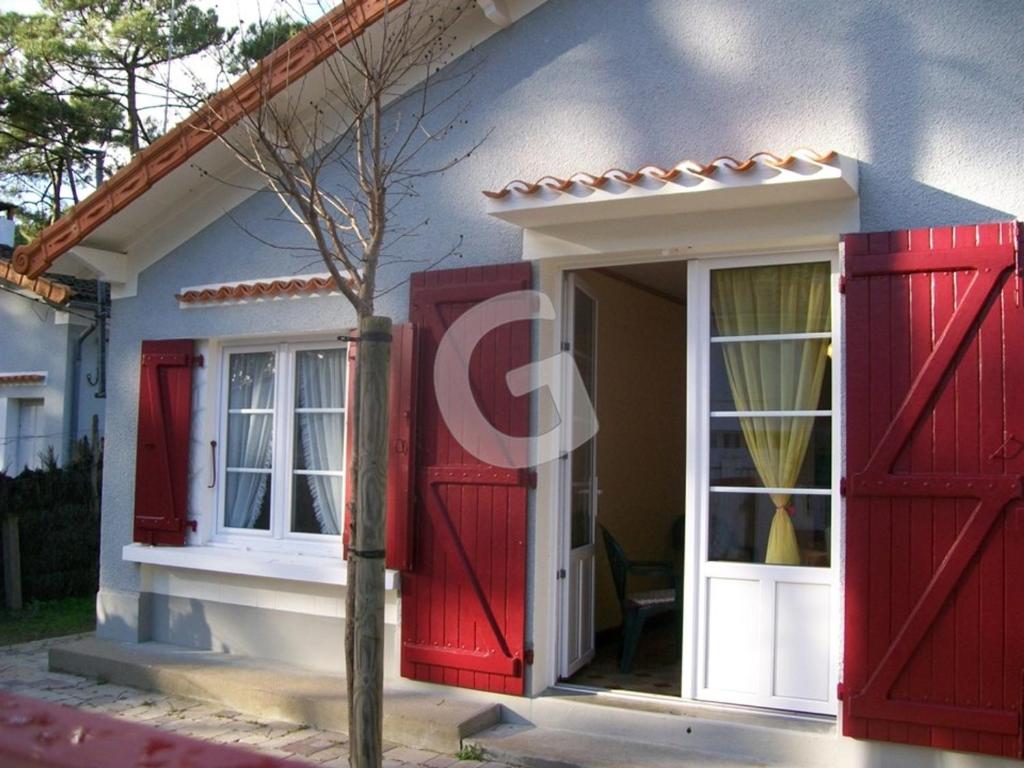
point(282, 436)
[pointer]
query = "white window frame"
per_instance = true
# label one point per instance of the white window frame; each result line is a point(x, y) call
point(279, 537)
point(699, 342)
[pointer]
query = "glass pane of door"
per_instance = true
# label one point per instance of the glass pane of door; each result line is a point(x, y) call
point(583, 458)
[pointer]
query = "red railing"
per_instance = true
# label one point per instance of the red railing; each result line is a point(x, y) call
point(38, 734)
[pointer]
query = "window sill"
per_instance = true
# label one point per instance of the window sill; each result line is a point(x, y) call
point(268, 565)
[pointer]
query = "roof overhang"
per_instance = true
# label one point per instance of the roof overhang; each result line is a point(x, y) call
point(187, 179)
point(725, 184)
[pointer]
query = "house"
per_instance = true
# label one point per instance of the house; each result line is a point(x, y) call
point(802, 363)
point(50, 361)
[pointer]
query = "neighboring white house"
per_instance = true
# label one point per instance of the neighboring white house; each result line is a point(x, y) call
point(804, 362)
point(50, 363)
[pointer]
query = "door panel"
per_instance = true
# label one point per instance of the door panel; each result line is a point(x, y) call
point(935, 533)
point(762, 328)
point(582, 492)
point(464, 599)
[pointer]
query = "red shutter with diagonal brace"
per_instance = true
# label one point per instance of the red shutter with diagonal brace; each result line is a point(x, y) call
point(401, 439)
point(162, 455)
point(934, 651)
point(464, 601)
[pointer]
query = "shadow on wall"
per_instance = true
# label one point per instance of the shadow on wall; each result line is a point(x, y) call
point(931, 207)
point(909, 136)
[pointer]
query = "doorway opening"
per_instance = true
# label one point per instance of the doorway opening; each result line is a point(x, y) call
point(625, 488)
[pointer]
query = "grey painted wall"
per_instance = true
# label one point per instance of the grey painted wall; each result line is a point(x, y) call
point(32, 340)
point(927, 95)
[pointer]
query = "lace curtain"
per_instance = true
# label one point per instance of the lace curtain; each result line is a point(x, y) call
point(320, 386)
point(250, 437)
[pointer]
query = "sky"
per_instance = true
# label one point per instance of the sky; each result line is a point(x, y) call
point(230, 13)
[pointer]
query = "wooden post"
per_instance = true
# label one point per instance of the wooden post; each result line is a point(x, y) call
point(366, 552)
point(12, 563)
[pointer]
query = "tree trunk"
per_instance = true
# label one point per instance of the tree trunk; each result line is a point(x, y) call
point(133, 112)
point(366, 553)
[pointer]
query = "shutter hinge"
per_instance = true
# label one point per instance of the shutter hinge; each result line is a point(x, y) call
point(842, 283)
point(192, 525)
point(566, 346)
point(197, 361)
point(528, 657)
point(842, 487)
point(840, 691)
point(531, 479)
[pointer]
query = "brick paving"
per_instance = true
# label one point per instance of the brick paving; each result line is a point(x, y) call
point(24, 671)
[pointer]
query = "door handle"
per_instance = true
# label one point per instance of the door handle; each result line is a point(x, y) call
point(213, 463)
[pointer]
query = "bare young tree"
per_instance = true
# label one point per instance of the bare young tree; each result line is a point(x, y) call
point(342, 152)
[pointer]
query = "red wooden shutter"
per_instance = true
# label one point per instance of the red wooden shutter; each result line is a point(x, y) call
point(935, 523)
point(162, 455)
point(401, 438)
point(401, 441)
point(464, 601)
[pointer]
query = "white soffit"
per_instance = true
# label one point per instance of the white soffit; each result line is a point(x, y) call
point(763, 180)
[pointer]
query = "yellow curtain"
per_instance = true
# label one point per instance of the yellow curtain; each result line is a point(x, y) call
point(775, 375)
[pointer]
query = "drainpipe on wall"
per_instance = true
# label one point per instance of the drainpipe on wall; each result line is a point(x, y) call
point(76, 378)
point(101, 313)
point(102, 316)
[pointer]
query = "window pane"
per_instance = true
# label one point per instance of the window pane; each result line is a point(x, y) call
point(770, 375)
point(732, 462)
point(582, 488)
point(251, 380)
point(740, 524)
point(320, 378)
point(250, 441)
point(247, 500)
point(320, 441)
point(788, 298)
point(316, 504)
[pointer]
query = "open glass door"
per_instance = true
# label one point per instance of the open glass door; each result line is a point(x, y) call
point(766, 632)
point(580, 503)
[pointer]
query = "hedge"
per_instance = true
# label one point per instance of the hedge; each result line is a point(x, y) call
point(59, 521)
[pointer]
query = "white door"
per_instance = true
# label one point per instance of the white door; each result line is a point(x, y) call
point(764, 473)
point(580, 505)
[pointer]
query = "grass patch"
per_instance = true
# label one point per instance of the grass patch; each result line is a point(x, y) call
point(48, 618)
point(470, 752)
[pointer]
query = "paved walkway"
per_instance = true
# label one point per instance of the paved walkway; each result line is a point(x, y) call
point(23, 670)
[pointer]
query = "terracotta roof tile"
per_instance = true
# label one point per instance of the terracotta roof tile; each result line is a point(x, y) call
point(268, 289)
point(658, 174)
point(14, 379)
point(293, 60)
point(51, 291)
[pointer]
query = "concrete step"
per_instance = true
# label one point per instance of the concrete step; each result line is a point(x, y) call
point(273, 690)
point(533, 747)
point(746, 737)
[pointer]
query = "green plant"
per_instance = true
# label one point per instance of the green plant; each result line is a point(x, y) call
point(470, 752)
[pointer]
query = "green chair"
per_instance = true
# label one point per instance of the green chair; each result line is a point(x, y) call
point(637, 607)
